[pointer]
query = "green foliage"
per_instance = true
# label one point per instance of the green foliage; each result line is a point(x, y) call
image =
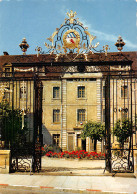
point(94, 130)
point(122, 130)
point(50, 148)
point(11, 125)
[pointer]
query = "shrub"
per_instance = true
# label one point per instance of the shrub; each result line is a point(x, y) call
point(49, 148)
point(76, 154)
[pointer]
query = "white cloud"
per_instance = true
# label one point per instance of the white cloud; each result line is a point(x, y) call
point(130, 44)
point(105, 36)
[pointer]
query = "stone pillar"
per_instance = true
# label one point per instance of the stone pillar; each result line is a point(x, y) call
point(135, 162)
point(4, 161)
point(98, 87)
point(64, 114)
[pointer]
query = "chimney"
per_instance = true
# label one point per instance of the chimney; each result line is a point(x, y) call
point(5, 53)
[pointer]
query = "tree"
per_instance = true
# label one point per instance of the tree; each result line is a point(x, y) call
point(94, 130)
point(11, 125)
point(122, 131)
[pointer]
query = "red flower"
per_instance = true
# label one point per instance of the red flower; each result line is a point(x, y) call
point(76, 154)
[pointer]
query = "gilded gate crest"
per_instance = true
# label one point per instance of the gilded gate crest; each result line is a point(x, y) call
point(72, 37)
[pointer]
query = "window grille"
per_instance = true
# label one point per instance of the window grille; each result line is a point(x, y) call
point(81, 92)
point(56, 91)
point(124, 115)
point(124, 91)
point(23, 92)
point(81, 115)
point(56, 139)
point(56, 116)
point(6, 93)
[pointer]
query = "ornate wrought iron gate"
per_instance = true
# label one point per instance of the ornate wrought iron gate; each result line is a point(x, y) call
point(22, 103)
point(120, 104)
point(21, 121)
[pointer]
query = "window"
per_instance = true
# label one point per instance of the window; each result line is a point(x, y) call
point(56, 91)
point(70, 141)
point(6, 94)
point(78, 141)
point(56, 139)
point(103, 92)
point(56, 116)
point(7, 72)
point(22, 92)
point(81, 92)
point(124, 91)
point(124, 115)
point(81, 115)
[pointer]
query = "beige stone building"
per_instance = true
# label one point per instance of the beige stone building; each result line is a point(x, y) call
point(67, 105)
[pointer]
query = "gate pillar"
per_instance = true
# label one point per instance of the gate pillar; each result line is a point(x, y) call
point(107, 124)
point(37, 126)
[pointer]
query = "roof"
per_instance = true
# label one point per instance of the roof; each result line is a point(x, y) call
point(54, 63)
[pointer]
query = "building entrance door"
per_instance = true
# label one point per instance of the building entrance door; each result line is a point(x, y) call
point(70, 141)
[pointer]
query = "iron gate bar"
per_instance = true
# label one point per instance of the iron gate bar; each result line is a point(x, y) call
point(131, 137)
point(107, 124)
point(113, 109)
point(37, 125)
point(135, 112)
point(116, 101)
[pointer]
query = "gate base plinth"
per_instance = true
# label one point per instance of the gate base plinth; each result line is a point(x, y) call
point(4, 161)
point(135, 162)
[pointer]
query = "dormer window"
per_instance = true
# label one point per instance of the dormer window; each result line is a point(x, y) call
point(7, 72)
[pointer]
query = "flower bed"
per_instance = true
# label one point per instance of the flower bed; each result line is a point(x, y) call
point(77, 155)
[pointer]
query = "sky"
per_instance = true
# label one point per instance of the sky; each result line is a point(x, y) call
point(38, 19)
